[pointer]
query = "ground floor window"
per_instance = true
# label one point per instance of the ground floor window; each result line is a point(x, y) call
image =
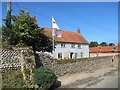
point(75, 55)
point(59, 55)
point(81, 54)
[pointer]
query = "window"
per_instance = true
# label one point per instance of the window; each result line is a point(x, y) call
point(113, 49)
point(81, 54)
point(79, 46)
point(75, 55)
point(59, 55)
point(62, 45)
point(73, 45)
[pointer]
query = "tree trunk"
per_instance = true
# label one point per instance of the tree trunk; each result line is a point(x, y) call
point(37, 59)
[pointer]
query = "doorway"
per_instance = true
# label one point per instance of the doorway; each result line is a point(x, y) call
point(71, 55)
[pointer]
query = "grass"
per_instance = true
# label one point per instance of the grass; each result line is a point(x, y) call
point(71, 60)
point(65, 61)
point(13, 79)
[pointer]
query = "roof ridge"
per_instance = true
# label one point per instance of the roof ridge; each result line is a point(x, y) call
point(67, 36)
point(60, 29)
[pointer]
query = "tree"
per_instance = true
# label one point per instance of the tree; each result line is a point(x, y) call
point(25, 32)
point(93, 44)
point(103, 44)
point(8, 35)
point(111, 44)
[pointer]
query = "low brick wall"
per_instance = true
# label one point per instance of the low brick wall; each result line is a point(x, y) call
point(87, 65)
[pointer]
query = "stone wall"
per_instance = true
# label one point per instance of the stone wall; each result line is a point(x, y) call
point(22, 59)
point(9, 60)
point(15, 58)
point(86, 65)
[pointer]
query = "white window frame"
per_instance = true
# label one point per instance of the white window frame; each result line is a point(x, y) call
point(60, 55)
point(81, 54)
point(76, 54)
point(79, 46)
point(63, 45)
point(72, 45)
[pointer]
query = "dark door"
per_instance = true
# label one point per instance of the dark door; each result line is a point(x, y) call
point(71, 55)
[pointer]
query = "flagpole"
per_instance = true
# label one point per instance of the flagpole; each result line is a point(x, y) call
point(53, 42)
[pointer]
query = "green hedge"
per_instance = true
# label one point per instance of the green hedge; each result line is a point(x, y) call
point(44, 77)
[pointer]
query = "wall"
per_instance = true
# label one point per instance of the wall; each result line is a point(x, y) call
point(23, 60)
point(102, 54)
point(67, 49)
point(90, 64)
point(10, 60)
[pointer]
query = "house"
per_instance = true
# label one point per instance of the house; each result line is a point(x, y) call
point(69, 45)
point(104, 51)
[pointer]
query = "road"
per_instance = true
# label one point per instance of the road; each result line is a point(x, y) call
point(110, 80)
point(103, 78)
point(107, 82)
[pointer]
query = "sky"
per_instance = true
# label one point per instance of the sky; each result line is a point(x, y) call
point(98, 21)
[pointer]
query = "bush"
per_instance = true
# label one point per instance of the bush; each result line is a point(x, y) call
point(13, 79)
point(44, 77)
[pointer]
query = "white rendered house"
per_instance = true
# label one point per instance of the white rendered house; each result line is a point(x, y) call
point(69, 45)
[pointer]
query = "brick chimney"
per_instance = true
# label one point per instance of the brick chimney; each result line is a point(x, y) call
point(78, 31)
point(35, 21)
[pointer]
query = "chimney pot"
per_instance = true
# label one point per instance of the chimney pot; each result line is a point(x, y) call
point(35, 21)
point(78, 31)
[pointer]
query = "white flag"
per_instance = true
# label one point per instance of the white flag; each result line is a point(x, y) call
point(54, 24)
point(56, 31)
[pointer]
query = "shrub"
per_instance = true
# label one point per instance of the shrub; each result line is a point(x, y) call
point(13, 79)
point(44, 77)
point(28, 87)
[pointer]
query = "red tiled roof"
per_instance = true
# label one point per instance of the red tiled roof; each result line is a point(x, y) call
point(104, 49)
point(70, 37)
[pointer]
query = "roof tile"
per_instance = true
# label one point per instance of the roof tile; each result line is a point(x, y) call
point(104, 49)
point(70, 37)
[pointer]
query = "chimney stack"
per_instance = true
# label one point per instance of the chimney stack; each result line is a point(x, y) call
point(35, 21)
point(78, 31)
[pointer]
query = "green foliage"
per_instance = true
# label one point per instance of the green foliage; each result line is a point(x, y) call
point(103, 44)
point(111, 44)
point(9, 37)
point(13, 79)
point(44, 77)
point(93, 44)
point(8, 20)
point(28, 86)
point(0, 28)
point(66, 61)
point(25, 32)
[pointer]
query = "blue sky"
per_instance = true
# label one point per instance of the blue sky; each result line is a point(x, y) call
point(98, 21)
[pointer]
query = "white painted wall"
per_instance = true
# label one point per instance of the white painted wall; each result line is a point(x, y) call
point(102, 54)
point(67, 49)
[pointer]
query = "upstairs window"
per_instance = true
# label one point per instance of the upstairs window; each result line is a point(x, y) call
point(72, 45)
point(62, 45)
point(79, 46)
